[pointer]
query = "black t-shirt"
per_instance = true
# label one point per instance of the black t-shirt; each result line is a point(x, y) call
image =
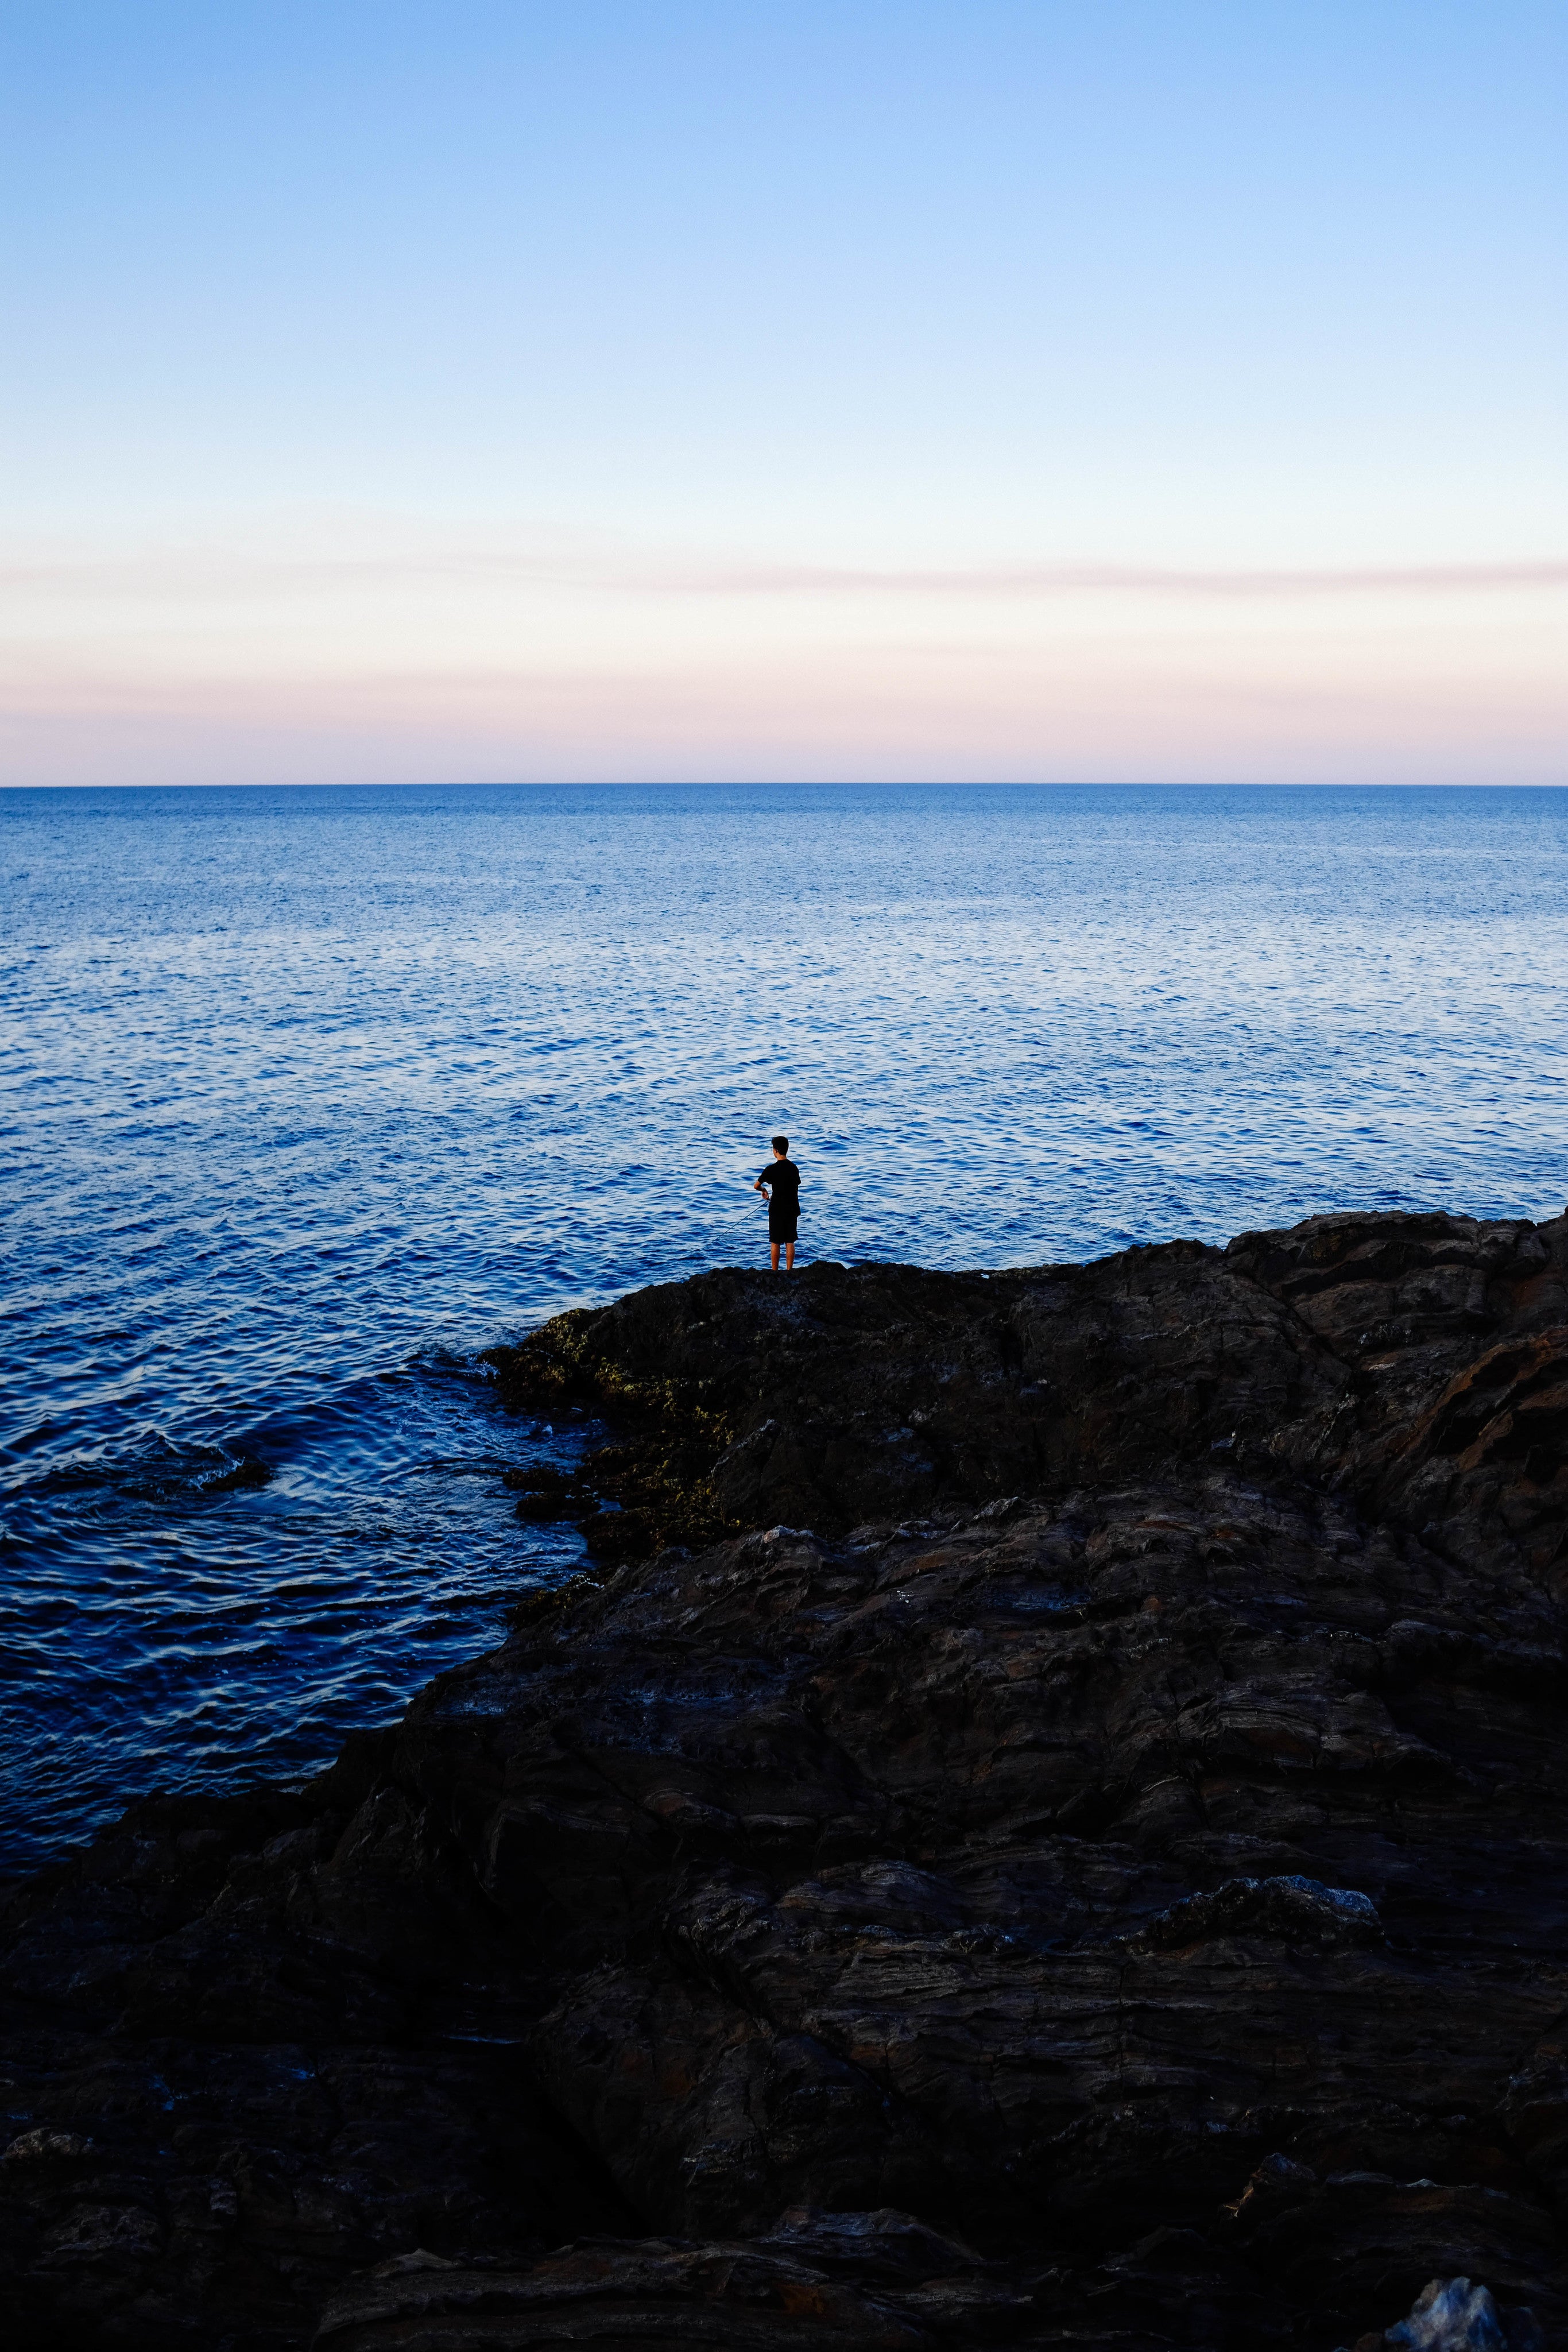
point(785, 1177)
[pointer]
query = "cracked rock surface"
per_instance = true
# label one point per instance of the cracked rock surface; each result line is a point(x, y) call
point(1087, 1866)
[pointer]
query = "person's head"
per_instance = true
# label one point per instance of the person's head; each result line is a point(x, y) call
point(780, 1146)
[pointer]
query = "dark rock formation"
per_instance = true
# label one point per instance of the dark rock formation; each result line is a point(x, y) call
point(1087, 1865)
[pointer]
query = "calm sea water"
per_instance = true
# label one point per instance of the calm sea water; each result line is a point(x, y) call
point(310, 1096)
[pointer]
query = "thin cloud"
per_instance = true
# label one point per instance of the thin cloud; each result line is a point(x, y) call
point(244, 572)
point(1107, 579)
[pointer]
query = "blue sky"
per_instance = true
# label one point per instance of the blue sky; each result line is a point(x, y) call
point(677, 390)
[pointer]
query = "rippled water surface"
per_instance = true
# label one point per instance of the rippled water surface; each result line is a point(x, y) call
point(311, 1096)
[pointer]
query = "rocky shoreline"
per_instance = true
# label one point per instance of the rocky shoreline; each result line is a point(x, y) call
point(1043, 1825)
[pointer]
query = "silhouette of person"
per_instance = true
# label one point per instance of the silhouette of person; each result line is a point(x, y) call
point(780, 1180)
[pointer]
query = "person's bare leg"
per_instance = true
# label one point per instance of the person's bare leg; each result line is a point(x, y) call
point(773, 1253)
point(789, 1257)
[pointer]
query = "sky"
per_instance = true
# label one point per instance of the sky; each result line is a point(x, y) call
point(1000, 389)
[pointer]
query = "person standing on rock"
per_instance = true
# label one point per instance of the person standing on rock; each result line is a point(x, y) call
point(780, 1180)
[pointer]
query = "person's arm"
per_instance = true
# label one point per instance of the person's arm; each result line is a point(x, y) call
point(762, 1183)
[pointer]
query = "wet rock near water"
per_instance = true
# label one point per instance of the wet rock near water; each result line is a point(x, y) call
point(1045, 1826)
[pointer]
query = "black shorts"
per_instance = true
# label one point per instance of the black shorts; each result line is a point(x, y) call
point(781, 1226)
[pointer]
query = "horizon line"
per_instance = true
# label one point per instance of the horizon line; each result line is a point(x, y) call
point(801, 784)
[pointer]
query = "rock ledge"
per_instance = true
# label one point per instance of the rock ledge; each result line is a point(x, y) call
point(1045, 1827)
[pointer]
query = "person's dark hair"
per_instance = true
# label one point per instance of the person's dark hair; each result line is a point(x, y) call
point(780, 1143)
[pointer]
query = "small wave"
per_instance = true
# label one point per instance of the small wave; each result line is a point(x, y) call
point(168, 1472)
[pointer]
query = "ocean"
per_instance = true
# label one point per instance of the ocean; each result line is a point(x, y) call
point(311, 1096)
